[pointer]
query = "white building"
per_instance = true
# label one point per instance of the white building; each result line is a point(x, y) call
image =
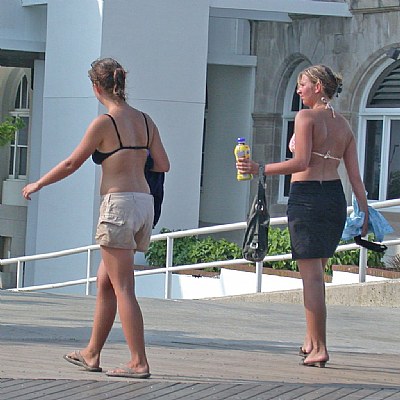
point(198, 67)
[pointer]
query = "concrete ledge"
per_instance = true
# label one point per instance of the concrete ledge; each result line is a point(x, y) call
point(376, 294)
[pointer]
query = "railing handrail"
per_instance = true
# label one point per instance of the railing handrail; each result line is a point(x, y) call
point(54, 254)
point(169, 236)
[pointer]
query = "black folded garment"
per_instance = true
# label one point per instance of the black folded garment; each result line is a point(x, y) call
point(379, 248)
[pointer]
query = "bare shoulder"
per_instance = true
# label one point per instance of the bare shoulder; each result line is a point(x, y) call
point(100, 122)
point(149, 120)
point(305, 113)
point(345, 127)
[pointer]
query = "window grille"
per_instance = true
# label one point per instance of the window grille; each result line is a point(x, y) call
point(385, 93)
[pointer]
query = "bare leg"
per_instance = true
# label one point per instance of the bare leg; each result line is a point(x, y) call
point(312, 273)
point(119, 266)
point(308, 345)
point(104, 316)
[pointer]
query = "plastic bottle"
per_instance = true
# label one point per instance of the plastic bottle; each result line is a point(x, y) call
point(242, 150)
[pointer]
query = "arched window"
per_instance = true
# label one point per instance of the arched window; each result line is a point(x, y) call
point(380, 135)
point(19, 146)
point(292, 105)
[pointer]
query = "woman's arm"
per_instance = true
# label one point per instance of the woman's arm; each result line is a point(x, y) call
point(86, 147)
point(157, 152)
point(304, 125)
point(353, 171)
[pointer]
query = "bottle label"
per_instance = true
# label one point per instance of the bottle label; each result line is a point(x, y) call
point(243, 150)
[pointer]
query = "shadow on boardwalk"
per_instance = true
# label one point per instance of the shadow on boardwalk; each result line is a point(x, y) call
point(198, 349)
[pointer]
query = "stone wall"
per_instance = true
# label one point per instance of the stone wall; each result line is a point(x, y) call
point(354, 46)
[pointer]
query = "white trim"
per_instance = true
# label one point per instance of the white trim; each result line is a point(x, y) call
point(250, 14)
point(308, 7)
point(371, 81)
point(379, 112)
point(28, 3)
point(383, 176)
point(386, 115)
point(232, 59)
point(22, 45)
point(362, 126)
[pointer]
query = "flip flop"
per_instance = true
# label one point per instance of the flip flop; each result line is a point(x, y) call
point(303, 353)
point(77, 359)
point(126, 372)
point(319, 364)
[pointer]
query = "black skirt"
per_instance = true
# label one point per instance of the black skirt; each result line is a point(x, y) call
point(316, 217)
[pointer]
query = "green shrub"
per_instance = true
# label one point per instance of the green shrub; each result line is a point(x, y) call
point(352, 257)
point(8, 128)
point(279, 243)
point(194, 250)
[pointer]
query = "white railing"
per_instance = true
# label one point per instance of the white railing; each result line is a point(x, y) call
point(169, 268)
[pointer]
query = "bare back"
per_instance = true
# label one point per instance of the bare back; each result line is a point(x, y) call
point(330, 137)
point(123, 171)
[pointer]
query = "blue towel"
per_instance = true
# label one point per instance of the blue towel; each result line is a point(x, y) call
point(377, 224)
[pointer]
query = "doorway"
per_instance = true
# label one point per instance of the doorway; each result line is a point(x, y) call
point(228, 116)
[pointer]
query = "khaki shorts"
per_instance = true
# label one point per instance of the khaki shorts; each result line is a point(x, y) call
point(125, 221)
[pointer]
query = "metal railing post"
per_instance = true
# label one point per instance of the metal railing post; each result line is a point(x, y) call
point(19, 274)
point(88, 264)
point(259, 275)
point(362, 264)
point(168, 264)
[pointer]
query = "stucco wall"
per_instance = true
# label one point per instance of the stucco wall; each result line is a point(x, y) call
point(163, 45)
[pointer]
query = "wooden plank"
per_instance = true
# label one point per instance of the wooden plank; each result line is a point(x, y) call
point(127, 390)
point(9, 383)
point(318, 392)
point(39, 391)
point(363, 394)
point(184, 393)
point(301, 392)
point(91, 390)
point(338, 393)
point(24, 390)
point(159, 393)
point(389, 394)
point(252, 392)
point(212, 390)
point(278, 392)
point(234, 390)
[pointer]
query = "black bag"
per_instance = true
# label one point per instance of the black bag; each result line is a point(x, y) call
point(255, 242)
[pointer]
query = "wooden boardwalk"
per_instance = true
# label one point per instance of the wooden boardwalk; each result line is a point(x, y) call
point(198, 349)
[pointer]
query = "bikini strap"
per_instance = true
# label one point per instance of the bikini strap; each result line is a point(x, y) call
point(147, 129)
point(116, 129)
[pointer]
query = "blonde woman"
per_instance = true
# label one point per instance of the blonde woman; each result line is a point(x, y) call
point(317, 206)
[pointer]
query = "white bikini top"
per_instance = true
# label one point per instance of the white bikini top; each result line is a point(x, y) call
point(327, 155)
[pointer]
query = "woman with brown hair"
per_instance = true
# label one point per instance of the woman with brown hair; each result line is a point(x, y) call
point(119, 141)
point(317, 206)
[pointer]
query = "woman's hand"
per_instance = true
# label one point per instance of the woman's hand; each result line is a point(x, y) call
point(29, 189)
point(247, 166)
point(364, 229)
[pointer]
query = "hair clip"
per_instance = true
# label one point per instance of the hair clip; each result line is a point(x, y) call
point(339, 89)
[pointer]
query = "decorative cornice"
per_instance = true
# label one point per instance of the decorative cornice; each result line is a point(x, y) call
point(374, 10)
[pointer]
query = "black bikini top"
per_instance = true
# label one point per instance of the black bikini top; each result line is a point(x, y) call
point(98, 157)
